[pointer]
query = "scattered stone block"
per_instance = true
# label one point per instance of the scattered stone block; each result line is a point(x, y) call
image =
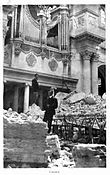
point(89, 155)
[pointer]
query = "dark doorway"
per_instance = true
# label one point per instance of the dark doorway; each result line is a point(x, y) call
point(102, 78)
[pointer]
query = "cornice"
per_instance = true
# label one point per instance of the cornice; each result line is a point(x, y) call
point(102, 45)
point(90, 36)
point(45, 52)
point(84, 11)
point(23, 76)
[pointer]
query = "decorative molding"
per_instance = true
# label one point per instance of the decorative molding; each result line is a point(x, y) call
point(43, 55)
point(55, 20)
point(53, 65)
point(86, 10)
point(23, 76)
point(37, 50)
point(52, 62)
point(6, 55)
point(86, 55)
point(81, 21)
point(44, 52)
point(31, 60)
point(90, 36)
point(69, 59)
point(95, 57)
point(73, 53)
point(25, 48)
point(32, 39)
point(65, 59)
point(17, 48)
point(28, 48)
point(58, 56)
point(28, 84)
point(92, 21)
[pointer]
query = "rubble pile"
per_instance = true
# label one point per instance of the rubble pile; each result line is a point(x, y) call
point(33, 115)
point(58, 157)
point(60, 96)
point(25, 136)
point(79, 103)
point(54, 145)
point(65, 160)
point(35, 112)
point(89, 155)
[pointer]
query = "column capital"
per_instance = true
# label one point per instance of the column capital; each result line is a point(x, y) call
point(15, 6)
point(17, 47)
point(28, 84)
point(4, 81)
point(86, 55)
point(95, 57)
point(65, 59)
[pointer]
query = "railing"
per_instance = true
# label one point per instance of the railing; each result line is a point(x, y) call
point(81, 128)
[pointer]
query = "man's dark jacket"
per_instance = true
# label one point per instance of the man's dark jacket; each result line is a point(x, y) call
point(52, 104)
point(35, 85)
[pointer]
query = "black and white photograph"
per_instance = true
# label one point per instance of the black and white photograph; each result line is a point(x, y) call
point(54, 86)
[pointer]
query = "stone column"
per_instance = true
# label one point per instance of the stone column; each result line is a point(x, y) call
point(15, 100)
point(12, 25)
point(21, 22)
point(86, 55)
point(43, 27)
point(15, 20)
point(64, 27)
point(26, 97)
point(95, 74)
point(59, 34)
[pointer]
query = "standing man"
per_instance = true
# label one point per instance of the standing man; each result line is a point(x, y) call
point(51, 105)
point(35, 88)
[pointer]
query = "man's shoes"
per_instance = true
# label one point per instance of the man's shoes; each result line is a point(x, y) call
point(50, 133)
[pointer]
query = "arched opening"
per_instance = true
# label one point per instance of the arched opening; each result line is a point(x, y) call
point(102, 79)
